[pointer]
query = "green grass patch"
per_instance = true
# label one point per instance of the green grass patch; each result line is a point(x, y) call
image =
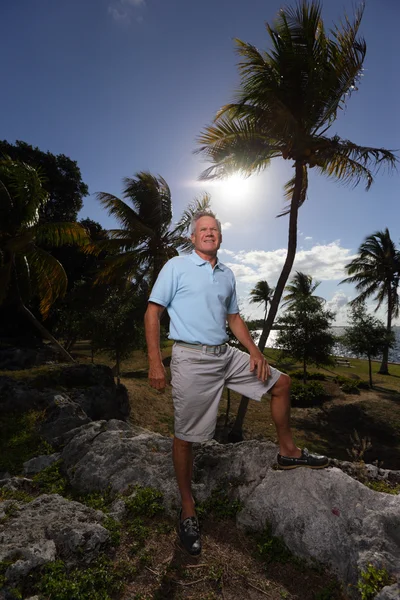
point(51, 480)
point(20, 440)
point(271, 548)
point(383, 486)
point(17, 495)
point(219, 505)
point(145, 502)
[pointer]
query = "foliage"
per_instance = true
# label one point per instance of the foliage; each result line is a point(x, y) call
point(262, 294)
point(63, 181)
point(376, 271)
point(26, 270)
point(359, 447)
point(383, 486)
point(372, 580)
point(219, 505)
point(272, 549)
point(51, 480)
point(306, 332)
point(310, 376)
point(301, 286)
point(17, 495)
point(307, 394)
point(114, 528)
point(145, 240)
point(366, 335)
point(99, 581)
point(20, 441)
point(350, 386)
point(116, 326)
point(145, 502)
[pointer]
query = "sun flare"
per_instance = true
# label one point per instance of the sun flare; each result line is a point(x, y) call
point(236, 185)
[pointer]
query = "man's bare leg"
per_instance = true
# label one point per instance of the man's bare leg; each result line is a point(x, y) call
point(280, 412)
point(183, 463)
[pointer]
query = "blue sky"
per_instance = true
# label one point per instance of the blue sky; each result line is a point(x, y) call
point(122, 86)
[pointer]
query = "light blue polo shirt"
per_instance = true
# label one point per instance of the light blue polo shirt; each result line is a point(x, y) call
point(197, 298)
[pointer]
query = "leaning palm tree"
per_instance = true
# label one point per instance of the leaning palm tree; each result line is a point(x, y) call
point(376, 271)
point(146, 238)
point(301, 286)
point(288, 99)
point(26, 269)
point(262, 294)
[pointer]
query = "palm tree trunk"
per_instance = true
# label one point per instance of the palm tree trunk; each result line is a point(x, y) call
point(384, 369)
point(46, 334)
point(236, 433)
point(370, 371)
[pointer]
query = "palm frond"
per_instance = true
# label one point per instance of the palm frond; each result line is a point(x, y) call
point(123, 213)
point(48, 278)
point(59, 234)
point(151, 198)
point(289, 191)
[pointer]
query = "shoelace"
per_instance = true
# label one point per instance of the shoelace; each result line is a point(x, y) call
point(190, 526)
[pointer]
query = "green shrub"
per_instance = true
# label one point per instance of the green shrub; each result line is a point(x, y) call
point(307, 394)
point(372, 580)
point(146, 502)
point(97, 500)
point(383, 486)
point(351, 386)
point(219, 505)
point(114, 527)
point(18, 495)
point(51, 481)
point(272, 549)
point(309, 376)
point(100, 581)
point(20, 441)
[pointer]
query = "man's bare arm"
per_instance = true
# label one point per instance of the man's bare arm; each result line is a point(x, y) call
point(157, 376)
point(257, 360)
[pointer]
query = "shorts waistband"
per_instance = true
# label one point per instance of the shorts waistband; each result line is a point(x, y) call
point(221, 349)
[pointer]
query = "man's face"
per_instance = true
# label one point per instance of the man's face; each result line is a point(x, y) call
point(207, 238)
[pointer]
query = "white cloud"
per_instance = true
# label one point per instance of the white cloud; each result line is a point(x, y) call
point(226, 226)
point(324, 262)
point(224, 251)
point(122, 11)
point(308, 238)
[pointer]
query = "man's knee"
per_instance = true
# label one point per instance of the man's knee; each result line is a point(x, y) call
point(282, 385)
point(178, 443)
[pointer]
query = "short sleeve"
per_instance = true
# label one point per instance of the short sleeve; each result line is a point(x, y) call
point(233, 307)
point(165, 286)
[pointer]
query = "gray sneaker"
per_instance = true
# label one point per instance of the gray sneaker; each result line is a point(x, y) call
point(189, 534)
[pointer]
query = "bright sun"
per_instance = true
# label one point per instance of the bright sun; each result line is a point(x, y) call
point(236, 185)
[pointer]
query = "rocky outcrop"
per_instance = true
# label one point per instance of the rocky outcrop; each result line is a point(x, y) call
point(48, 528)
point(323, 515)
point(71, 396)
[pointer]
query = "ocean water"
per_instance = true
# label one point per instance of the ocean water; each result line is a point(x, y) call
point(339, 350)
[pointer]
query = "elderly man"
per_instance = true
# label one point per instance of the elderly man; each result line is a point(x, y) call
point(199, 294)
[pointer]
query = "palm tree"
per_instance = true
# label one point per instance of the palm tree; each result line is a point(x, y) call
point(26, 269)
point(262, 294)
point(376, 271)
point(288, 99)
point(145, 240)
point(302, 286)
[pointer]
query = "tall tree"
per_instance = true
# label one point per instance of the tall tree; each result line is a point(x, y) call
point(262, 294)
point(26, 270)
point(366, 335)
point(62, 180)
point(376, 272)
point(146, 239)
point(288, 99)
point(305, 332)
point(301, 286)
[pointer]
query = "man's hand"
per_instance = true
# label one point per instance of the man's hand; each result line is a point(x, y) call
point(260, 365)
point(157, 377)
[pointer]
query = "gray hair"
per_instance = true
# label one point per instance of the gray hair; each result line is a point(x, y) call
point(203, 213)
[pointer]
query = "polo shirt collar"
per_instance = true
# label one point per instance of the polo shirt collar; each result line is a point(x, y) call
point(200, 261)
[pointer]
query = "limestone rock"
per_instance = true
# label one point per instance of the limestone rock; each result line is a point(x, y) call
point(48, 528)
point(390, 592)
point(37, 464)
point(62, 415)
point(324, 515)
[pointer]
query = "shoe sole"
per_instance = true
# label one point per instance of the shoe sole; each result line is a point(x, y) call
point(302, 467)
point(188, 551)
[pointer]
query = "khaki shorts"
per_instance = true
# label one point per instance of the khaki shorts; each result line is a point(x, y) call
point(198, 379)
